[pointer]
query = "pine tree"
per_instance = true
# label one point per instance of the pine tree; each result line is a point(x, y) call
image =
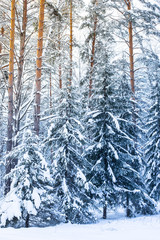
point(153, 128)
point(29, 201)
point(67, 141)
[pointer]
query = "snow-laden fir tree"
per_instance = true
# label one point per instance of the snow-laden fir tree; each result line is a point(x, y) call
point(133, 193)
point(67, 142)
point(101, 127)
point(152, 151)
point(29, 201)
point(116, 165)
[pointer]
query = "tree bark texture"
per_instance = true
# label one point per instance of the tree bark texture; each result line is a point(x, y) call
point(20, 68)
point(10, 96)
point(130, 31)
point(93, 52)
point(131, 60)
point(2, 33)
point(59, 49)
point(38, 68)
point(71, 46)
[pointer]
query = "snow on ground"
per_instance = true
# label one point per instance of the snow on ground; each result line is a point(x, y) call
point(119, 228)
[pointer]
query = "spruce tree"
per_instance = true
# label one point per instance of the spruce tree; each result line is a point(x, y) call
point(67, 141)
point(29, 201)
point(153, 128)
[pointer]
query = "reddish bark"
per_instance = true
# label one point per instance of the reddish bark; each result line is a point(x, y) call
point(10, 96)
point(20, 67)
point(130, 31)
point(38, 68)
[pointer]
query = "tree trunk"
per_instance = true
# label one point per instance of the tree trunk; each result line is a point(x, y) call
point(59, 48)
point(27, 221)
point(70, 45)
point(130, 31)
point(2, 33)
point(105, 211)
point(93, 51)
point(38, 68)
point(131, 60)
point(20, 68)
point(105, 193)
point(10, 96)
point(50, 91)
point(128, 210)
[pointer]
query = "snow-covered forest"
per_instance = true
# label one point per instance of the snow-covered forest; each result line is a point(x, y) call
point(79, 110)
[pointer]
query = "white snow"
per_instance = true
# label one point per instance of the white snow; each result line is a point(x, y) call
point(114, 151)
point(111, 173)
point(140, 228)
point(11, 208)
point(29, 207)
point(115, 121)
point(64, 186)
point(36, 197)
point(81, 175)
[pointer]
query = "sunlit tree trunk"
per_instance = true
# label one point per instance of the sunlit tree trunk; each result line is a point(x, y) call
point(38, 68)
point(10, 96)
point(93, 51)
point(131, 58)
point(20, 68)
point(2, 33)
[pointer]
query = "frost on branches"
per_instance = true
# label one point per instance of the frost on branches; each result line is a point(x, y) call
point(30, 185)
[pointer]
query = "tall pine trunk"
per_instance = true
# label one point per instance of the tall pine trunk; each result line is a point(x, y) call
point(71, 46)
point(93, 51)
point(130, 31)
point(131, 60)
point(59, 49)
point(38, 68)
point(20, 68)
point(10, 97)
point(132, 82)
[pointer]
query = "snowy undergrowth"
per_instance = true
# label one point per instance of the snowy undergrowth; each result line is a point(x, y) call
point(114, 228)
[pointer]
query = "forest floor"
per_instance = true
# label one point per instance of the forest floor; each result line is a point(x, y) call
point(116, 227)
